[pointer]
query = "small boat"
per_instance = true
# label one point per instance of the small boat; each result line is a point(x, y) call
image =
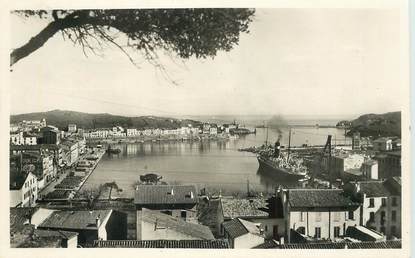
point(113, 151)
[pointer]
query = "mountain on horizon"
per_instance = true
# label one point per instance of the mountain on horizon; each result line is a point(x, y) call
point(61, 119)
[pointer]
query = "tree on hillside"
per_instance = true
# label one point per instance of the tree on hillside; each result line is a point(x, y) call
point(199, 33)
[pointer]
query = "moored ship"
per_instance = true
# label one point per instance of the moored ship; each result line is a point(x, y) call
point(280, 164)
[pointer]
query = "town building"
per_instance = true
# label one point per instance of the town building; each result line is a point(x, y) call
point(345, 162)
point(23, 188)
point(389, 164)
point(90, 225)
point(254, 210)
point(210, 213)
point(380, 205)
point(72, 128)
point(23, 138)
point(55, 150)
point(243, 234)
point(317, 213)
point(176, 200)
point(71, 152)
point(23, 232)
point(50, 135)
point(395, 244)
point(356, 144)
point(382, 144)
point(370, 170)
point(154, 225)
point(41, 165)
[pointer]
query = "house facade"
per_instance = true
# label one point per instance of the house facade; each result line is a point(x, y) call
point(318, 213)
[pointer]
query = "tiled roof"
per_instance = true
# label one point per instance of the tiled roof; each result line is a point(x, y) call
point(268, 244)
point(243, 208)
point(239, 227)
point(209, 212)
point(163, 220)
point(195, 244)
point(165, 194)
point(319, 198)
point(55, 233)
point(393, 244)
point(74, 219)
point(373, 189)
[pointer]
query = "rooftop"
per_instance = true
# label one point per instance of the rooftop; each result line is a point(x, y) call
point(393, 244)
point(319, 198)
point(374, 189)
point(74, 219)
point(208, 211)
point(166, 221)
point(243, 208)
point(239, 227)
point(165, 194)
point(195, 244)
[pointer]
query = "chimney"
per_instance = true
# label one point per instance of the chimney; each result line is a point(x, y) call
point(98, 221)
point(172, 192)
point(281, 240)
point(191, 195)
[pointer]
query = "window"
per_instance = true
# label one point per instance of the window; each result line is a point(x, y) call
point(393, 216)
point(336, 231)
point(372, 217)
point(382, 217)
point(336, 216)
point(371, 202)
point(301, 216)
point(383, 202)
point(394, 201)
point(351, 215)
point(266, 228)
point(318, 216)
point(393, 230)
point(301, 230)
point(317, 232)
point(183, 214)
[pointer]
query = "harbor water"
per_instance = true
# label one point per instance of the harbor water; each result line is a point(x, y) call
point(216, 165)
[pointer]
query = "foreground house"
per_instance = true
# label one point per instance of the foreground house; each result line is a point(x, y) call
point(23, 232)
point(318, 214)
point(210, 213)
point(254, 210)
point(154, 225)
point(380, 205)
point(90, 225)
point(23, 188)
point(193, 244)
point(175, 200)
point(242, 234)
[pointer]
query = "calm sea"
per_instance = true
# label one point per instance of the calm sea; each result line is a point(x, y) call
point(216, 165)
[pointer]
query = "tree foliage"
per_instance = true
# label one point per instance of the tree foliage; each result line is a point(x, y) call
point(199, 33)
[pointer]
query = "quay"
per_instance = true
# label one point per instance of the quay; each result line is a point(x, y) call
point(71, 181)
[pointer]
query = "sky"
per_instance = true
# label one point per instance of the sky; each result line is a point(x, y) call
point(303, 62)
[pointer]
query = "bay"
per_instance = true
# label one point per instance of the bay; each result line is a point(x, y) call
point(216, 165)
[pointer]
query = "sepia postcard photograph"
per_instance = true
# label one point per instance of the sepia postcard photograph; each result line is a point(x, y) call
point(186, 128)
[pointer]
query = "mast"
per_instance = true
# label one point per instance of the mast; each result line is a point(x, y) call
point(289, 144)
point(266, 139)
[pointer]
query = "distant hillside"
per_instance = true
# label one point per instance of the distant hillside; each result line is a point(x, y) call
point(388, 124)
point(61, 119)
